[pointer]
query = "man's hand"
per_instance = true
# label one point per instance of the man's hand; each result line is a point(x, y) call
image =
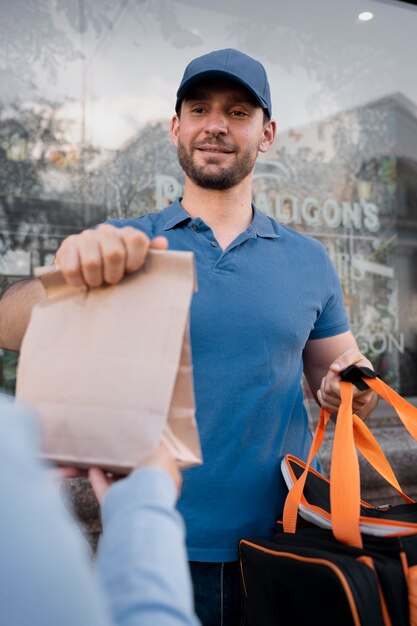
point(324, 359)
point(329, 394)
point(104, 255)
point(161, 459)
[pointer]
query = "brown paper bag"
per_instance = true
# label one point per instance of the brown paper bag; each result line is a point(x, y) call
point(109, 368)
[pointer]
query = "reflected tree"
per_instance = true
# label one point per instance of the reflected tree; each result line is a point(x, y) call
point(31, 140)
point(29, 40)
point(125, 184)
point(40, 37)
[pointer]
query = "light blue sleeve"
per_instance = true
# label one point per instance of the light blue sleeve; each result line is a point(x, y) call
point(46, 577)
point(142, 558)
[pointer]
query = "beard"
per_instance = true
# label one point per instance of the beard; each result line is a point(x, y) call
point(224, 177)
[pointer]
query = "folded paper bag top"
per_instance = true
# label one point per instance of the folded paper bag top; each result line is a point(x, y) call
point(109, 368)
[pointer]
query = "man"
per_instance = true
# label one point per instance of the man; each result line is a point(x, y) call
point(269, 306)
point(46, 578)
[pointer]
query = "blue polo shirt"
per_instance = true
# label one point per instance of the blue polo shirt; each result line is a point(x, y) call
point(258, 303)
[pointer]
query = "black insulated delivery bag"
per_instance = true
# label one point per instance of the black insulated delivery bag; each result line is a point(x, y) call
point(349, 563)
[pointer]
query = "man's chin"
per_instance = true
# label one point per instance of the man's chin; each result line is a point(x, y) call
point(211, 176)
point(216, 183)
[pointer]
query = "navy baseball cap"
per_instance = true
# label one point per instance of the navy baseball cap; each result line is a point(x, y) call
point(231, 64)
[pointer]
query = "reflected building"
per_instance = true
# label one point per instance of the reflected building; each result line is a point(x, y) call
point(350, 181)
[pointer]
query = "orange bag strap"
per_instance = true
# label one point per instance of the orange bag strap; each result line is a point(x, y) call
point(289, 517)
point(364, 378)
point(405, 411)
point(344, 472)
point(350, 432)
point(344, 475)
point(369, 447)
point(365, 442)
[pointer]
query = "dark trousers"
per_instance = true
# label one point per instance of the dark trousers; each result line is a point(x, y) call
point(218, 593)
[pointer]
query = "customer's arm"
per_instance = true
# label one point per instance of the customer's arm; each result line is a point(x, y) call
point(46, 577)
point(142, 560)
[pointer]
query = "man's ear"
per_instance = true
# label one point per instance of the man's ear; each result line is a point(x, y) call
point(175, 129)
point(268, 136)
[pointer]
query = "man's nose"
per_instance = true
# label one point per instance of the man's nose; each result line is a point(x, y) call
point(216, 123)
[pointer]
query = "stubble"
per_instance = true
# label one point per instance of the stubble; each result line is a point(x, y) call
point(225, 177)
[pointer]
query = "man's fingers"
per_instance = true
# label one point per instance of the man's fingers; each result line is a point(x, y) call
point(68, 261)
point(104, 255)
point(330, 386)
point(329, 401)
point(136, 244)
point(90, 258)
point(361, 399)
point(159, 243)
point(329, 394)
point(113, 254)
point(325, 403)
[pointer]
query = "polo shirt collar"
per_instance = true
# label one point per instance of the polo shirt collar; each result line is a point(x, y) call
point(175, 214)
point(261, 225)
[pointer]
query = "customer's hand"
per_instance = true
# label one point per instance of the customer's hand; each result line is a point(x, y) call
point(161, 459)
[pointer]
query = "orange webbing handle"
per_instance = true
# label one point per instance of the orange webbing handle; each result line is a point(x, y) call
point(289, 517)
point(405, 411)
point(369, 447)
point(344, 474)
point(351, 431)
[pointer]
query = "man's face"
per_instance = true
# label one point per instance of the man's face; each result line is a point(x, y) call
point(219, 133)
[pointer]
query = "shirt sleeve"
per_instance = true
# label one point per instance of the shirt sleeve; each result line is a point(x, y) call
point(142, 558)
point(332, 319)
point(46, 576)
